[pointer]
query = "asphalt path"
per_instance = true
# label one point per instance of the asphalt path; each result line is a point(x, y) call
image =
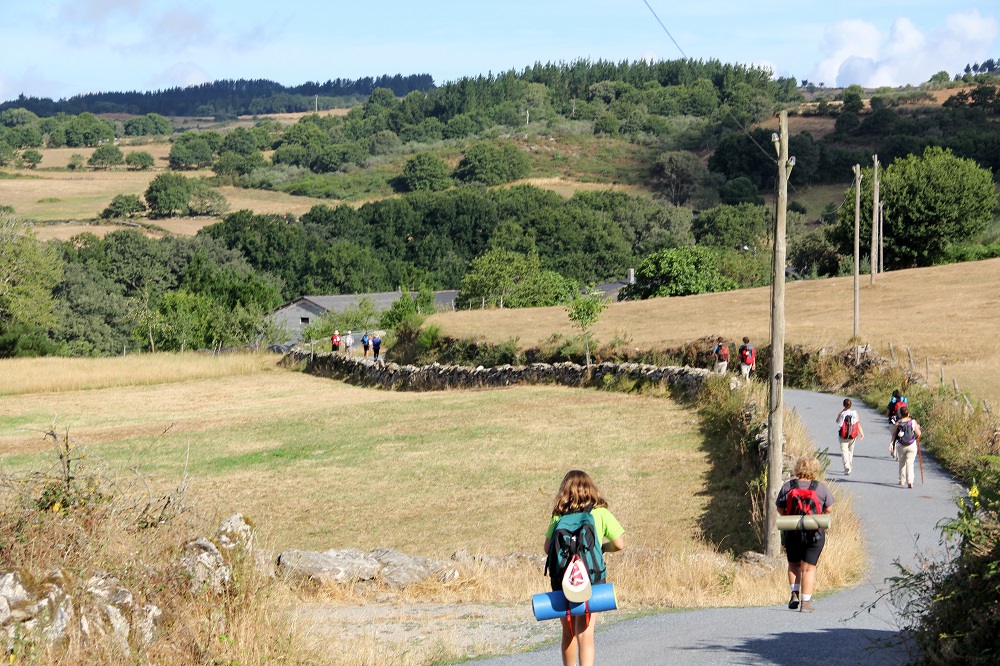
point(854, 626)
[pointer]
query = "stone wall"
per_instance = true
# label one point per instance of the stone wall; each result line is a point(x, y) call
point(437, 377)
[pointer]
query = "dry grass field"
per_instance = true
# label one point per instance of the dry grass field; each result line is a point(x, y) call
point(568, 187)
point(315, 462)
point(949, 317)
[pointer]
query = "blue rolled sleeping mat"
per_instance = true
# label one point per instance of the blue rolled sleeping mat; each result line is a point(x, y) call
point(553, 605)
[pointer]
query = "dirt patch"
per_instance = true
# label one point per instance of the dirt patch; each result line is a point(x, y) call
point(468, 629)
point(292, 118)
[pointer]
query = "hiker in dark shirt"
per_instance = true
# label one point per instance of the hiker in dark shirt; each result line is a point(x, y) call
point(803, 547)
point(376, 345)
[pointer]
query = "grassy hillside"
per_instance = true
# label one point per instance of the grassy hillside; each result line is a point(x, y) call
point(946, 315)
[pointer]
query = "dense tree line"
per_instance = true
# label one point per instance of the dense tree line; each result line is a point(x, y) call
point(429, 238)
point(227, 98)
point(90, 296)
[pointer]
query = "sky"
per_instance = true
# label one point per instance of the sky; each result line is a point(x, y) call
point(60, 48)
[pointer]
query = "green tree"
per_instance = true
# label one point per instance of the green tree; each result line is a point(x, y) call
point(139, 160)
point(124, 205)
point(931, 201)
point(735, 227)
point(75, 162)
point(676, 175)
point(854, 99)
point(191, 150)
point(491, 164)
point(106, 156)
point(584, 311)
point(206, 200)
point(31, 157)
point(29, 271)
point(739, 190)
point(168, 194)
point(680, 271)
point(503, 278)
point(426, 172)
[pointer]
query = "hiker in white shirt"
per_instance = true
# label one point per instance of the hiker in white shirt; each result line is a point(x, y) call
point(849, 431)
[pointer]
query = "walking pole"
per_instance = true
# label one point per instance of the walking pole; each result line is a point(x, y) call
point(920, 457)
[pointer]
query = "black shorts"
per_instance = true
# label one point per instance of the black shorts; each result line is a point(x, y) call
point(804, 546)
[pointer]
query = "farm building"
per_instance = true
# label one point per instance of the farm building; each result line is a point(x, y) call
point(301, 312)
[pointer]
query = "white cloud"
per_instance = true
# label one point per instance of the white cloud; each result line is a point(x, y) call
point(858, 52)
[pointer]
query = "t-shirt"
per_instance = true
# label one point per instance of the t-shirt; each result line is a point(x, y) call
point(853, 413)
point(824, 494)
point(607, 527)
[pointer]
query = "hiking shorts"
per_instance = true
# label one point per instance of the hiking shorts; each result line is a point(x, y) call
point(803, 546)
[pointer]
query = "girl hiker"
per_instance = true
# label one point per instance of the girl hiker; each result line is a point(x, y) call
point(849, 429)
point(803, 493)
point(905, 440)
point(577, 494)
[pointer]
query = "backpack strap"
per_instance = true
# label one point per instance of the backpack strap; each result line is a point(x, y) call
point(813, 485)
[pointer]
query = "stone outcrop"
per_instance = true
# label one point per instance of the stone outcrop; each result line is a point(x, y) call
point(350, 565)
point(437, 377)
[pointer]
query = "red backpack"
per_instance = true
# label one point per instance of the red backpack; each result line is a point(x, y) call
point(723, 352)
point(803, 501)
point(748, 355)
point(849, 428)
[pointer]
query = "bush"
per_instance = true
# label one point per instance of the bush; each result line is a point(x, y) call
point(139, 160)
point(680, 271)
point(106, 156)
point(124, 205)
point(426, 172)
point(492, 165)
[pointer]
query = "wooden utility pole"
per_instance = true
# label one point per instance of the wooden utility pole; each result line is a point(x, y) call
point(874, 253)
point(857, 250)
point(775, 415)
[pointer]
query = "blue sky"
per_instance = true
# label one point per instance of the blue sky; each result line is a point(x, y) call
point(58, 48)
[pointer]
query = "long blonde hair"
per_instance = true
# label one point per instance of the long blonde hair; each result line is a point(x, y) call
point(577, 493)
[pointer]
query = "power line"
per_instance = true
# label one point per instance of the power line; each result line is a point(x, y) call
point(726, 106)
point(666, 31)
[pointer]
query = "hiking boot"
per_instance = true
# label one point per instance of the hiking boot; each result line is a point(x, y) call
point(807, 607)
point(793, 603)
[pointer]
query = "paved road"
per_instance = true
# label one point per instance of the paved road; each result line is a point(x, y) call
point(899, 523)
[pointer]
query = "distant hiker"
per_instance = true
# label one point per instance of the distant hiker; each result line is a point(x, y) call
point(896, 402)
point(803, 494)
point(905, 440)
point(721, 352)
point(748, 358)
point(348, 343)
point(580, 515)
point(335, 341)
point(366, 341)
point(849, 430)
point(376, 345)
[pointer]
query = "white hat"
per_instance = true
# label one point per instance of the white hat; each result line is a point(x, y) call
point(336, 332)
point(576, 582)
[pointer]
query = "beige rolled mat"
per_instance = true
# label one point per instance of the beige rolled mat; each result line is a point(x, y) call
point(786, 523)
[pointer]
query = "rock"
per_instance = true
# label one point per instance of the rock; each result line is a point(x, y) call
point(263, 563)
point(108, 590)
point(333, 566)
point(12, 586)
point(235, 532)
point(400, 569)
point(206, 566)
point(144, 623)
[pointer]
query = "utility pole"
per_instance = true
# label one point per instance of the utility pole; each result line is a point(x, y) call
point(874, 252)
point(775, 415)
point(857, 250)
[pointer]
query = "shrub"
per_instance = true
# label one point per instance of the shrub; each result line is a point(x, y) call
point(492, 165)
point(106, 156)
point(124, 205)
point(426, 172)
point(139, 160)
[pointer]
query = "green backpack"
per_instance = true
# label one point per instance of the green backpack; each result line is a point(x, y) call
point(575, 534)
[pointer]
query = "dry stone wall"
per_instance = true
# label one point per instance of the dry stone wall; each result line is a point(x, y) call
point(437, 377)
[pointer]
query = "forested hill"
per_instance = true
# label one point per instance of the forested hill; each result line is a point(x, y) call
point(226, 98)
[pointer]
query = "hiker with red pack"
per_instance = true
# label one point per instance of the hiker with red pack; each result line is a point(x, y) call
point(748, 358)
point(849, 430)
point(580, 532)
point(802, 495)
point(896, 403)
point(721, 352)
